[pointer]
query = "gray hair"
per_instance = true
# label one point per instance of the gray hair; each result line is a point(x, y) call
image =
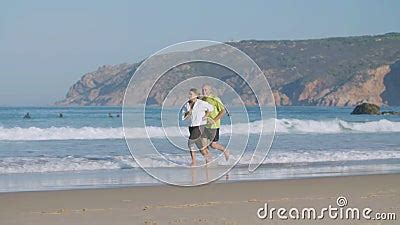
point(210, 87)
point(195, 90)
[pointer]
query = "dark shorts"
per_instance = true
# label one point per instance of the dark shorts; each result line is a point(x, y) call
point(212, 134)
point(196, 132)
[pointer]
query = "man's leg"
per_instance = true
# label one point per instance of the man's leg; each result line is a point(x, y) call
point(218, 146)
point(215, 145)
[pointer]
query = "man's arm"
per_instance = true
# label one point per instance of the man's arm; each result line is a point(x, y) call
point(222, 110)
point(220, 115)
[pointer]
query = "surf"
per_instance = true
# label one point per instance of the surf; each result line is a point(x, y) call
point(283, 126)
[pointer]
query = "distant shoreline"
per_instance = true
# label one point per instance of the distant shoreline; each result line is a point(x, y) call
point(120, 106)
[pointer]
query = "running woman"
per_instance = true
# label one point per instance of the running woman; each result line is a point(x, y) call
point(196, 111)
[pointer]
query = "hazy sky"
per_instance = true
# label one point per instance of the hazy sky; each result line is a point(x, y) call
point(46, 46)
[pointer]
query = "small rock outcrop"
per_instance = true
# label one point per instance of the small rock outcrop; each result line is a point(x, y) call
point(367, 108)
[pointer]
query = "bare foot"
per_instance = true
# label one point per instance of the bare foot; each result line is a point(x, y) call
point(208, 158)
point(226, 154)
point(193, 164)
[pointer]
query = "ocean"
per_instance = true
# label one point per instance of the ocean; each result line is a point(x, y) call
point(86, 148)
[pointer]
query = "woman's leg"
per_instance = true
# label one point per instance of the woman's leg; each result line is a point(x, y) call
point(191, 145)
point(202, 143)
point(192, 149)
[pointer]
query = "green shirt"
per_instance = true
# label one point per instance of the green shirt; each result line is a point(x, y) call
point(218, 107)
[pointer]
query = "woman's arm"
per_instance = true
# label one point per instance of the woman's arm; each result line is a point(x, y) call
point(207, 114)
point(186, 113)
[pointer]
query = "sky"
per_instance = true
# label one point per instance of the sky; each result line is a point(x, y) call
point(46, 45)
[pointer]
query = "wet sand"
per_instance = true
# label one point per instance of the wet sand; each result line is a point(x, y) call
point(218, 203)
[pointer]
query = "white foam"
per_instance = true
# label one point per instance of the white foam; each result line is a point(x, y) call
point(282, 126)
point(59, 133)
point(81, 163)
point(335, 126)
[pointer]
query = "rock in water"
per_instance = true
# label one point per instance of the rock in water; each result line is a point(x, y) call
point(390, 113)
point(367, 108)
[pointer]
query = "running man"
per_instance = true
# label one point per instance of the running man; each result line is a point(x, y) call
point(212, 128)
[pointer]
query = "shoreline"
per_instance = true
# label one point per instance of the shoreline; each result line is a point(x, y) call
point(157, 183)
point(216, 203)
point(44, 179)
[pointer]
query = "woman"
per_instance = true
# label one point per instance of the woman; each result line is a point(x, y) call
point(196, 112)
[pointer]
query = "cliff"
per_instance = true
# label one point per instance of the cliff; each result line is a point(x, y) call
point(330, 72)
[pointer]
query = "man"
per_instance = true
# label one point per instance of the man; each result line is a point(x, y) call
point(212, 128)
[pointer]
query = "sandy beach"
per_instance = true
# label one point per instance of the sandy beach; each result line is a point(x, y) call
point(218, 203)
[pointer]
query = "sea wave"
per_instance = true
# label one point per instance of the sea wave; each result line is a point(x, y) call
point(282, 126)
point(87, 163)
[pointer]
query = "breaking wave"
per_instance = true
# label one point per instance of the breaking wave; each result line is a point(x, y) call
point(282, 126)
